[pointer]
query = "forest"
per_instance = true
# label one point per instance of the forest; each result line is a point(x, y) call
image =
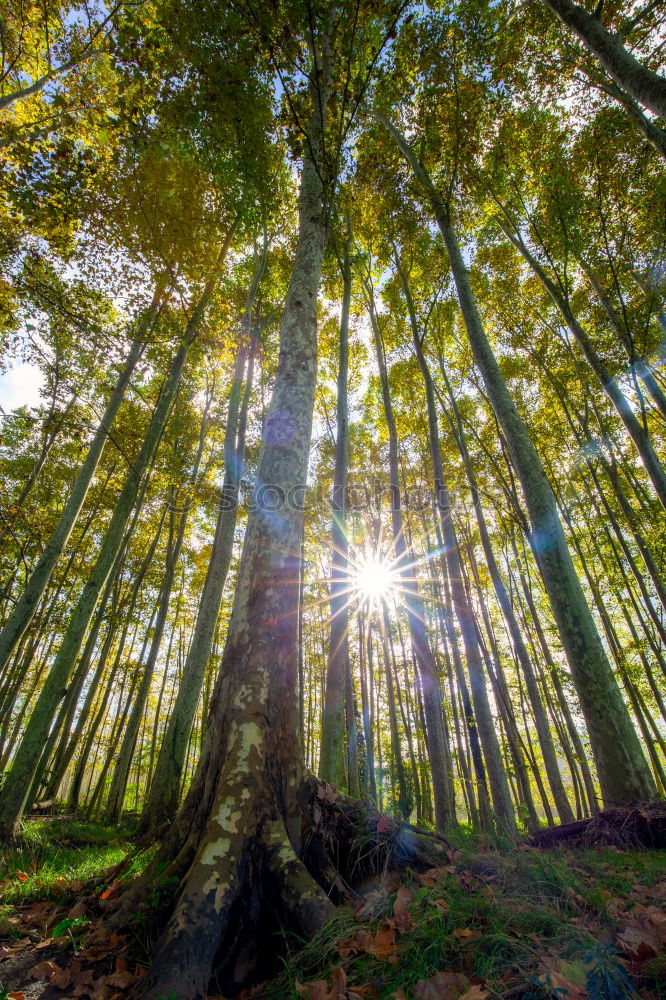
point(333, 506)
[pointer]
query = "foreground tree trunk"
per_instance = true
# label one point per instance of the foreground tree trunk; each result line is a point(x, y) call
point(236, 839)
point(162, 801)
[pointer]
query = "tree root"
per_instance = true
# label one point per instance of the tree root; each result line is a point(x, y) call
point(220, 906)
point(626, 827)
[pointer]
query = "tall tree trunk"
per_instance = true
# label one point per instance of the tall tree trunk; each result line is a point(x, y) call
point(643, 84)
point(121, 771)
point(499, 786)
point(332, 756)
point(17, 783)
point(437, 741)
point(608, 382)
point(26, 605)
point(240, 825)
point(623, 772)
point(162, 800)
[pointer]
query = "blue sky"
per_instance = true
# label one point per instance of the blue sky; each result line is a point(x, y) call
point(20, 386)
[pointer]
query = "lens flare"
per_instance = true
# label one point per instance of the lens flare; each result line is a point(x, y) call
point(374, 578)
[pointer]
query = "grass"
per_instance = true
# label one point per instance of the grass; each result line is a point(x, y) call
point(57, 856)
point(520, 906)
point(493, 915)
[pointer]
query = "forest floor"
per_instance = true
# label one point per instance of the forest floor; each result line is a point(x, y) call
point(519, 923)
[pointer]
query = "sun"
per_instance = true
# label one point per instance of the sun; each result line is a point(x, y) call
point(374, 578)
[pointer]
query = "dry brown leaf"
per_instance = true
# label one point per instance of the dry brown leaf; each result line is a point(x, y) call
point(435, 875)
point(121, 979)
point(319, 990)
point(441, 905)
point(43, 971)
point(639, 940)
point(327, 793)
point(380, 945)
point(560, 987)
point(403, 899)
point(475, 993)
point(465, 935)
point(442, 986)
point(112, 891)
point(385, 824)
point(373, 902)
point(77, 910)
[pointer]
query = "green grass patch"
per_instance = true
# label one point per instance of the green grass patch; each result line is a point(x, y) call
point(504, 910)
point(55, 857)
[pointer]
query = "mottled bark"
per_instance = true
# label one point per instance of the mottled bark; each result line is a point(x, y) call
point(239, 828)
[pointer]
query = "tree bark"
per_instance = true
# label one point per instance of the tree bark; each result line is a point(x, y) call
point(643, 84)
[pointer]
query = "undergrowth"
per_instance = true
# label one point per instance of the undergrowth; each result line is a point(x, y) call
point(56, 857)
point(494, 918)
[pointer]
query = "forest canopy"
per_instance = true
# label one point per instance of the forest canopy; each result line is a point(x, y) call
point(342, 503)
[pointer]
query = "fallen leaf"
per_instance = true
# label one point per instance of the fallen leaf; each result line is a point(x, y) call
point(442, 986)
point(475, 993)
point(560, 987)
point(319, 990)
point(370, 905)
point(465, 935)
point(639, 941)
point(441, 905)
point(435, 875)
point(120, 979)
point(43, 971)
point(112, 891)
point(77, 911)
point(403, 899)
point(380, 945)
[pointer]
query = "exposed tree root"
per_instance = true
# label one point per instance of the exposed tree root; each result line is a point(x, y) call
point(219, 932)
point(626, 827)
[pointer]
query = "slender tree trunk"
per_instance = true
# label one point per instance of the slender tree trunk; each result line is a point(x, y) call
point(621, 765)
point(162, 800)
point(608, 382)
point(643, 84)
point(499, 786)
point(438, 749)
point(332, 756)
point(27, 603)
point(17, 783)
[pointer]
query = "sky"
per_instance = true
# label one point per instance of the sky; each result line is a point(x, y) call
point(20, 386)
